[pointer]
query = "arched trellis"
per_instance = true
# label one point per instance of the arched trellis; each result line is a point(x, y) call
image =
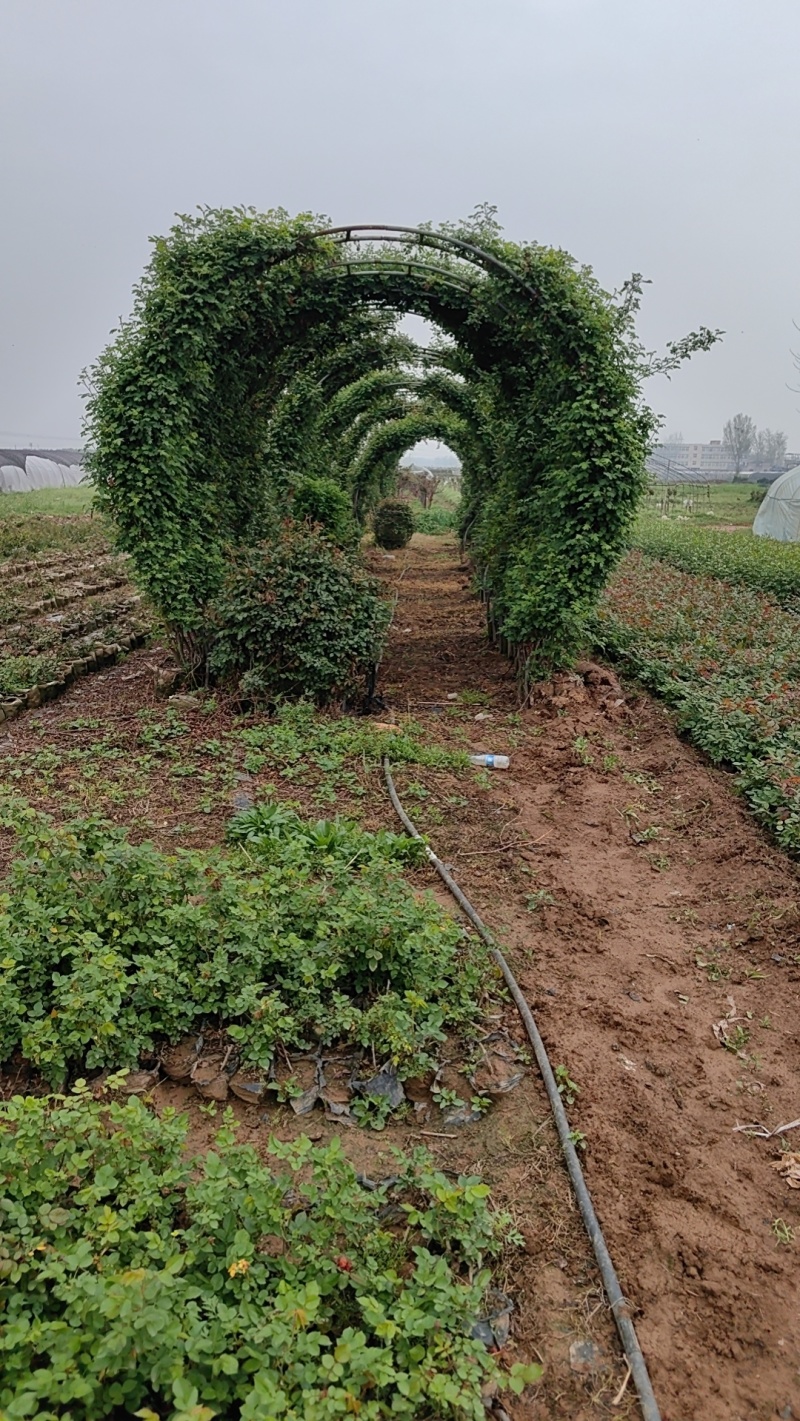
point(234, 306)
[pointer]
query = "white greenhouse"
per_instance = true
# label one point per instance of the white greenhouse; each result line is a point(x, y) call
point(779, 514)
point(23, 470)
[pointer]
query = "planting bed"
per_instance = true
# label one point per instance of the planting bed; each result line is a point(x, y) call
point(743, 559)
point(636, 898)
point(728, 662)
point(66, 602)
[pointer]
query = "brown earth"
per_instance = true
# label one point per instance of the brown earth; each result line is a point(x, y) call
point(640, 907)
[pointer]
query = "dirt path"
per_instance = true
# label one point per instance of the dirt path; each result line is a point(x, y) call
point(663, 911)
point(612, 861)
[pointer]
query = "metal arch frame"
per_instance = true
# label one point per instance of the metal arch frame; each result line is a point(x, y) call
point(372, 267)
point(439, 240)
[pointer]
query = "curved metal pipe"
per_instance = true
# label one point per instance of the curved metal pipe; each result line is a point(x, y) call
point(617, 1301)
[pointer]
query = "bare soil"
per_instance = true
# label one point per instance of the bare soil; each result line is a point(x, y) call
point(640, 907)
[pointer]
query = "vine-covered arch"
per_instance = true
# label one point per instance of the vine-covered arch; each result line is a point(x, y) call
point(241, 318)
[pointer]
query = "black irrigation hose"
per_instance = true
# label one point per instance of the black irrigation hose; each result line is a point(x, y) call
point(619, 1306)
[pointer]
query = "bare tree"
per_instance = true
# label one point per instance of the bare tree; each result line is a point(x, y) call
point(739, 437)
point(770, 447)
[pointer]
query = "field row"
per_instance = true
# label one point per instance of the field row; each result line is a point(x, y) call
point(727, 663)
point(68, 608)
point(736, 557)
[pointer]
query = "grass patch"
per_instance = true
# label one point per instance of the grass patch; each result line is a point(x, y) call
point(706, 504)
point(435, 520)
point(60, 502)
point(49, 521)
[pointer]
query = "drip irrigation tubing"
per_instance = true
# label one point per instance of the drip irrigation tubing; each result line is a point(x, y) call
point(617, 1301)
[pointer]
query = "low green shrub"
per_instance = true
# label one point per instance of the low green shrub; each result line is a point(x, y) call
point(298, 617)
point(322, 501)
point(295, 936)
point(136, 1281)
point(266, 824)
point(393, 523)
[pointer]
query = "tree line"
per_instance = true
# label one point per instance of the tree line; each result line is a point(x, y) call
point(747, 444)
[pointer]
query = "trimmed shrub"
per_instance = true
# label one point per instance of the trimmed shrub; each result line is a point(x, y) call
point(393, 523)
point(298, 618)
point(323, 502)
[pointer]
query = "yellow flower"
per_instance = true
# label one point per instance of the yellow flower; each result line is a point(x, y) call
point(242, 1265)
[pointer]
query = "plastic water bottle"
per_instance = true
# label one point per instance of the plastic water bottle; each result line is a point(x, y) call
point(489, 762)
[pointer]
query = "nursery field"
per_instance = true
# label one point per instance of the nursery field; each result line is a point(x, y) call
point(736, 557)
point(65, 599)
point(653, 926)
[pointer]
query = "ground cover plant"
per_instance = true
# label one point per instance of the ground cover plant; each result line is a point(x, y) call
point(728, 662)
point(49, 519)
point(189, 767)
point(293, 937)
point(738, 558)
point(135, 1280)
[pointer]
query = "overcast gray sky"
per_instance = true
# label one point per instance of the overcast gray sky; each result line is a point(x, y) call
point(661, 136)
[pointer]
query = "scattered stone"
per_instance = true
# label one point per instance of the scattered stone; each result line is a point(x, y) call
point(494, 1329)
point(461, 1115)
point(304, 1104)
point(209, 1079)
point(179, 1060)
point(185, 702)
point(248, 1086)
point(383, 1085)
point(138, 1082)
point(499, 1071)
point(586, 1357)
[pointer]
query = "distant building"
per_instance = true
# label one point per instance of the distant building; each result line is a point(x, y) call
point(713, 458)
point(711, 463)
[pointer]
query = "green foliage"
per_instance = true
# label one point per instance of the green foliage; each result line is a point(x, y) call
point(740, 558)
point(19, 673)
point(728, 664)
point(135, 1280)
point(274, 823)
point(246, 332)
point(31, 523)
point(298, 617)
point(297, 935)
point(393, 523)
point(322, 501)
point(436, 520)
